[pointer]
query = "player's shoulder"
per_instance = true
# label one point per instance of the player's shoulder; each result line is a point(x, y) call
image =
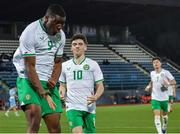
point(62, 34)
point(32, 26)
point(29, 30)
point(153, 72)
point(67, 62)
point(91, 61)
point(165, 71)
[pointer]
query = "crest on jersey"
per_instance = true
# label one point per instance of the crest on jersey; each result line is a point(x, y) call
point(162, 75)
point(28, 96)
point(58, 36)
point(86, 67)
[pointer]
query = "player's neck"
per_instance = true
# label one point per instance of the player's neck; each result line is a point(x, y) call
point(158, 70)
point(79, 60)
point(45, 27)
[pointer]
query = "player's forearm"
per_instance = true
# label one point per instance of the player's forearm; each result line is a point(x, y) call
point(34, 79)
point(62, 88)
point(30, 63)
point(172, 82)
point(149, 87)
point(99, 90)
point(62, 91)
point(174, 89)
point(56, 71)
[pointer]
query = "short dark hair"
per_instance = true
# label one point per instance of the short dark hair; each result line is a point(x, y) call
point(55, 9)
point(156, 58)
point(79, 36)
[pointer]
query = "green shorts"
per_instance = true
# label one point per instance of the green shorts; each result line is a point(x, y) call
point(28, 95)
point(82, 118)
point(160, 105)
point(171, 98)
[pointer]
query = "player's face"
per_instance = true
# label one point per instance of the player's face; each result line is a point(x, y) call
point(156, 64)
point(54, 24)
point(78, 47)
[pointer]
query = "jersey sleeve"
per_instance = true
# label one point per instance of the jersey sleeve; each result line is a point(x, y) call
point(169, 75)
point(60, 50)
point(27, 43)
point(9, 92)
point(98, 75)
point(151, 76)
point(62, 78)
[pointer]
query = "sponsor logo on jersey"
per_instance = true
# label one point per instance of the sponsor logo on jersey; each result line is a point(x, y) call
point(68, 68)
point(42, 38)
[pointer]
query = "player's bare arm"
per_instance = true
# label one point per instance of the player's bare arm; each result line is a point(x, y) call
point(173, 83)
point(56, 73)
point(99, 92)
point(149, 87)
point(30, 63)
point(62, 91)
point(169, 82)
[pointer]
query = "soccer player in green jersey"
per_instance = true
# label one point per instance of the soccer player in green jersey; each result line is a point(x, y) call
point(38, 63)
point(78, 77)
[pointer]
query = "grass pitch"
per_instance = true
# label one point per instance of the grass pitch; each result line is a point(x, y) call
point(110, 119)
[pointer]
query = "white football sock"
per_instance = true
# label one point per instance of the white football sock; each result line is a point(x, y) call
point(157, 122)
point(164, 122)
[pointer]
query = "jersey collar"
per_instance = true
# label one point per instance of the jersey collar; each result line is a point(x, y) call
point(82, 60)
point(41, 24)
point(159, 71)
point(57, 36)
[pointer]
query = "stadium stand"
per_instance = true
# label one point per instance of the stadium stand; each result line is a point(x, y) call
point(124, 66)
point(97, 52)
point(133, 53)
point(137, 54)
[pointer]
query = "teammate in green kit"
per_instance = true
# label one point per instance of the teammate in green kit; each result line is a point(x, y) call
point(161, 79)
point(78, 77)
point(38, 63)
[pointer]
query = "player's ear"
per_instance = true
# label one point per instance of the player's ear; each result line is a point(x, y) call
point(46, 18)
point(160, 63)
point(85, 48)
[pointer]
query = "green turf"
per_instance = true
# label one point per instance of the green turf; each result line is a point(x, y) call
point(117, 119)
